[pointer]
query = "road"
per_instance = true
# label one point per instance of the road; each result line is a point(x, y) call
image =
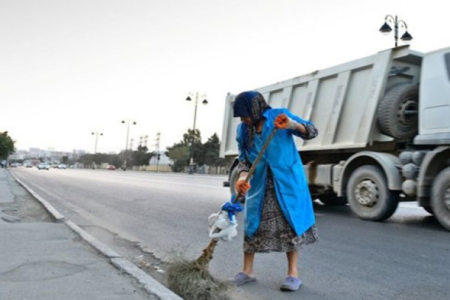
point(155, 217)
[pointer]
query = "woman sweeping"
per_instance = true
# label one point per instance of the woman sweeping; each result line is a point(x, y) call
point(279, 216)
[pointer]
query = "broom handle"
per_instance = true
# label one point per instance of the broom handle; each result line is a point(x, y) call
point(203, 260)
point(258, 158)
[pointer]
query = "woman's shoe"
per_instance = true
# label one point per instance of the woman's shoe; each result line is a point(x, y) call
point(291, 284)
point(242, 278)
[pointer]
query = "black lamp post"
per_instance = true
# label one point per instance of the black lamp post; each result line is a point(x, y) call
point(126, 142)
point(96, 139)
point(385, 29)
point(204, 102)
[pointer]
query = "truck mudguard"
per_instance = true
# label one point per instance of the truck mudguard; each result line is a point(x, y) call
point(388, 162)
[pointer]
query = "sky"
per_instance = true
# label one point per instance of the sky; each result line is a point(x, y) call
point(70, 68)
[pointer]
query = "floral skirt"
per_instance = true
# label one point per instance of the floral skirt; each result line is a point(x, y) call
point(274, 233)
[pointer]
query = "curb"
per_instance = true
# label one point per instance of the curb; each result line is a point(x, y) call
point(150, 285)
point(57, 215)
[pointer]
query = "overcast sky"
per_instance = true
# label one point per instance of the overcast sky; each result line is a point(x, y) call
point(72, 67)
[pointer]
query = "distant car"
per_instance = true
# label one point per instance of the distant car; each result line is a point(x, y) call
point(43, 166)
point(110, 167)
point(62, 166)
point(28, 165)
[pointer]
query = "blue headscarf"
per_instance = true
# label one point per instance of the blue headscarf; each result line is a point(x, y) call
point(250, 104)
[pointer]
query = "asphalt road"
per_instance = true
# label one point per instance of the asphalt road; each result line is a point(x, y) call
point(165, 215)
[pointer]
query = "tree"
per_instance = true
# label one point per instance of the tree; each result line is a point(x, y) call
point(179, 153)
point(203, 154)
point(193, 139)
point(114, 160)
point(6, 145)
point(99, 158)
point(192, 136)
point(211, 151)
point(86, 159)
point(141, 157)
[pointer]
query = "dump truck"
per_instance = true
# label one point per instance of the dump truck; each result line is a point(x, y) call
point(384, 132)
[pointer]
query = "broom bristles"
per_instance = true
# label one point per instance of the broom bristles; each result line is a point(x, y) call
point(191, 280)
point(193, 283)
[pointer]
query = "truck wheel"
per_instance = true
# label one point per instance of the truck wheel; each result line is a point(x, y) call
point(368, 194)
point(234, 176)
point(332, 200)
point(428, 209)
point(397, 113)
point(440, 198)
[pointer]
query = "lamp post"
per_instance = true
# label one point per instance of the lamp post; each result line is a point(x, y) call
point(385, 29)
point(96, 139)
point(204, 102)
point(158, 155)
point(128, 122)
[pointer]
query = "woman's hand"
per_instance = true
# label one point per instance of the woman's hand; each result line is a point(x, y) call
point(283, 122)
point(242, 186)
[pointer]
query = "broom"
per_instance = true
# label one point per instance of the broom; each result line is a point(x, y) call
point(191, 280)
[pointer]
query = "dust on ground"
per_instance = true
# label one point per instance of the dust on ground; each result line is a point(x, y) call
point(132, 251)
point(25, 208)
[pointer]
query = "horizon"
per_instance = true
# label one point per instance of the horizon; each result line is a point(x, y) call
point(73, 68)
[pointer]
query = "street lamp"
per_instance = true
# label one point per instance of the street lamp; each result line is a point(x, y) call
point(204, 102)
point(128, 122)
point(96, 139)
point(158, 155)
point(385, 29)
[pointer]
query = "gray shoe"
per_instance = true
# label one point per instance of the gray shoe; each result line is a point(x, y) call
point(242, 278)
point(291, 284)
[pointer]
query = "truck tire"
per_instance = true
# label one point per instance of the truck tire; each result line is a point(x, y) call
point(428, 209)
point(369, 196)
point(440, 198)
point(234, 176)
point(332, 200)
point(397, 112)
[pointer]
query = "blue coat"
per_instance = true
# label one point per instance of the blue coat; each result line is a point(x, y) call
point(290, 183)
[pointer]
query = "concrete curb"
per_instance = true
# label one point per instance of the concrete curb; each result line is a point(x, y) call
point(102, 248)
point(58, 216)
point(150, 285)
